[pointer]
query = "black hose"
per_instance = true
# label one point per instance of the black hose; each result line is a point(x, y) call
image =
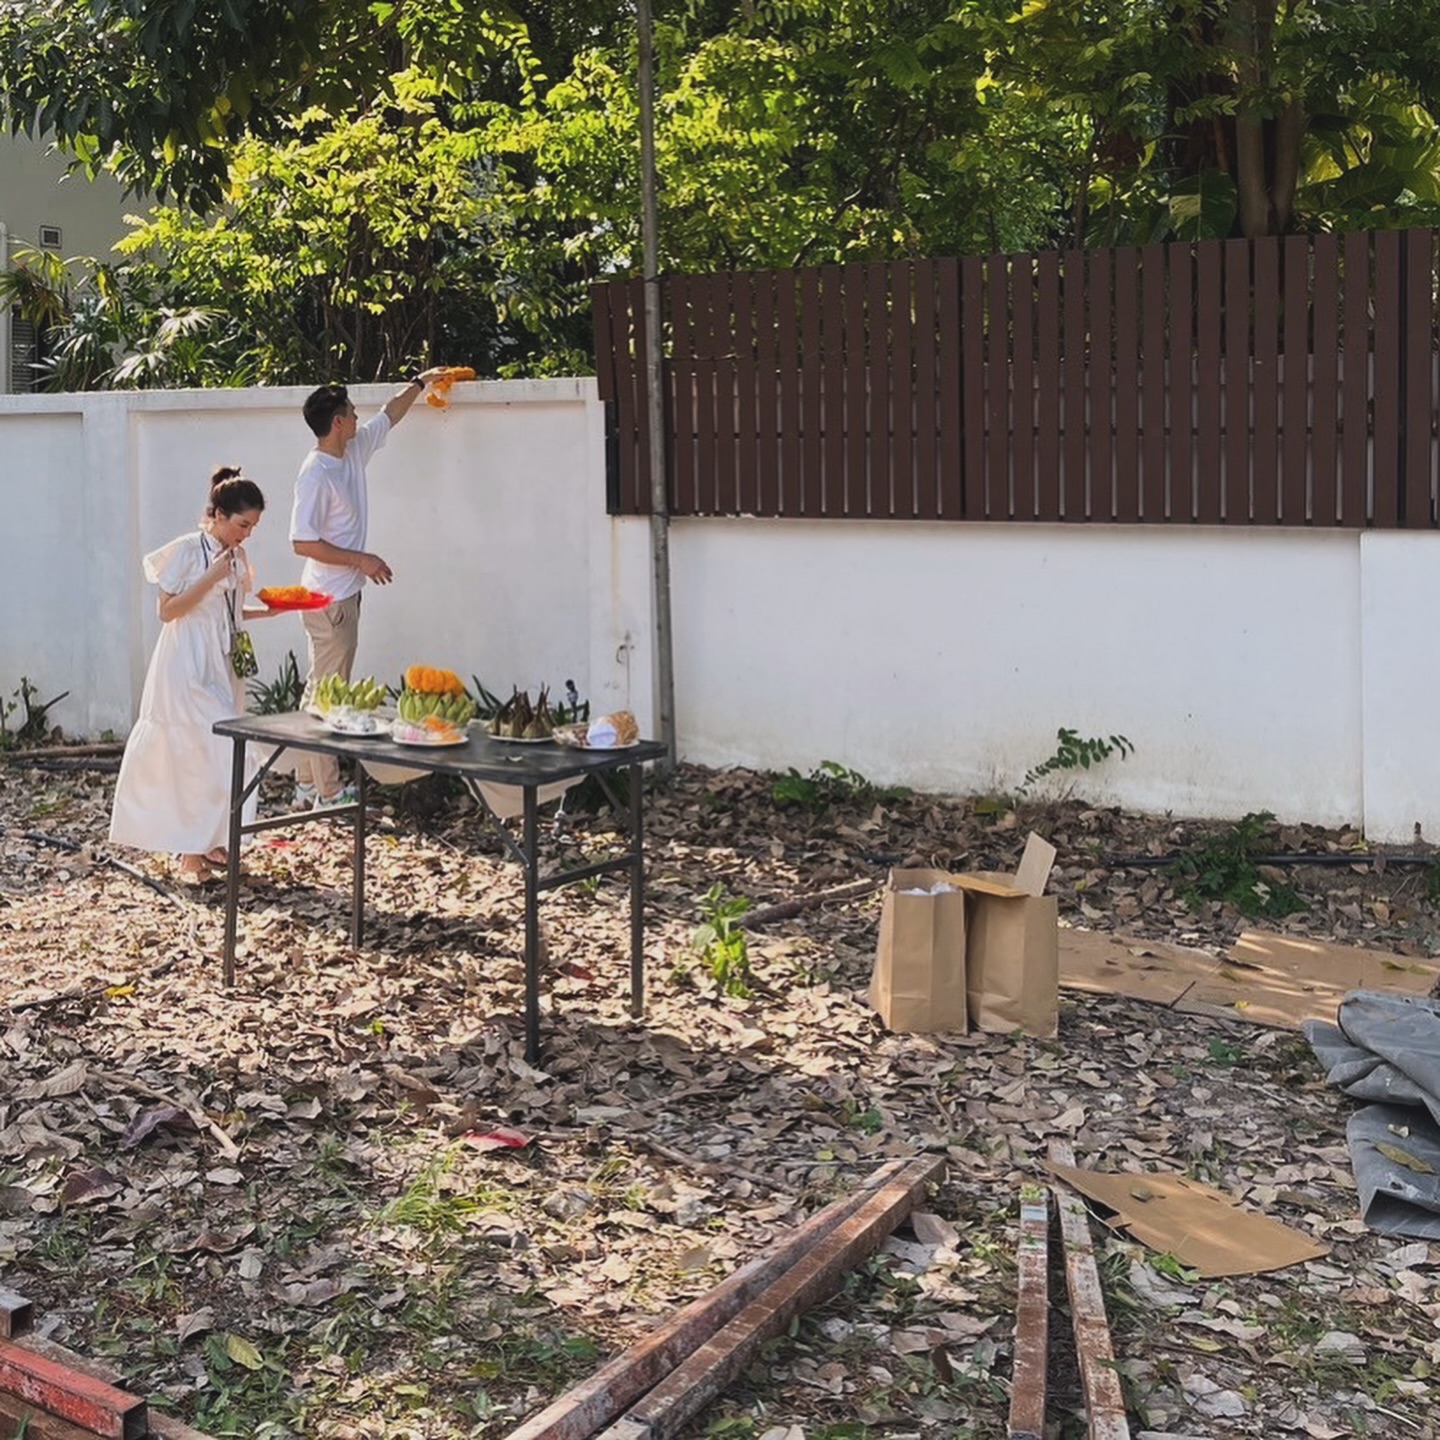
point(1372, 858)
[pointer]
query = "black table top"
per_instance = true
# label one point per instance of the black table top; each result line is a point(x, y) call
point(480, 757)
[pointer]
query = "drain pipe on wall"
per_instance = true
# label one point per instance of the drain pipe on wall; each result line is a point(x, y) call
point(654, 394)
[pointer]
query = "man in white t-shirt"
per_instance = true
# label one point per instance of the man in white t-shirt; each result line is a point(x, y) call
point(328, 528)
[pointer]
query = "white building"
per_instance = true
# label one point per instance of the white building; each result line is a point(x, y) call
point(43, 207)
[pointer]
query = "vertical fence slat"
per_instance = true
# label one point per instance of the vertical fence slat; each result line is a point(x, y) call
point(1022, 394)
point(952, 393)
point(881, 361)
point(727, 495)
point(1386, 448)
point(1418, 400)
point(904, 386)
point(1100, 387)
point(1295, 381)
point(972, 335)
point(928, 343)
point(635, 497)
point(824, 393)
point(707, 441)
point(789, 500)
point(1153, 504)
point(1325, 507)
point(999, 500)
point(684, 491)
point(1355, 384)
point(1235, 382)
point(1073, 363)
point(1209, 308)
point(1265, 415)
point(1048, 441)
point(767, 399)
point(742, 299)
point(1127, 385)
point(852, 497)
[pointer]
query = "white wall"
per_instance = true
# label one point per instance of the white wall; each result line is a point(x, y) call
point(1260, 669)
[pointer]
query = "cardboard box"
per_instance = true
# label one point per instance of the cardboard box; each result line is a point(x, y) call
point(1012, 950)
point(918, 984)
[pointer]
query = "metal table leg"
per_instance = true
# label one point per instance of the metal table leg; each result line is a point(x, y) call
point(357, 872)
point(637, 892)
point(531, 862)
point(232, 862)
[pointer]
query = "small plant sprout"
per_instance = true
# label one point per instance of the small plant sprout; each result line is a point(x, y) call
point(1077, 752)
point(720, 941)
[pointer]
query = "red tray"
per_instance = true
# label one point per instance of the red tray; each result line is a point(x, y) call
point(314, 601)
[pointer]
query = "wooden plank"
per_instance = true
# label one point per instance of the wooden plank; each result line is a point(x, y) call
point(1235, 382)
point(1209, 308)
point(927, 413)
point(899, 466)
point(1032, 1320)
point(1265, 386)
point(1184, 485)
point(767, 381)
point(1100, 384)
point(724, 343)
point(1355, 383)
point(972, 343)
point(706, 1373)
point(708, 338)
point(1154, 500)
point(1295, 450)
point(747, 442)
point(604, 1395)
point(824, 393)
point(791, 423)
point(950, 386)
point(880, 361)
point(1001, 500)
point(1325, 508)
point(1022, 386)
point(683, 495)
point(66, 1392)
point(1047, 447)
point(1074, 368)
point(1127, 385)
point(851, 496)
point(1387, 444)
point(1418, 401)
point(1104, 1402)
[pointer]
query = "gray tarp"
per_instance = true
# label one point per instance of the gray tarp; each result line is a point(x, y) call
point(1386, 1049)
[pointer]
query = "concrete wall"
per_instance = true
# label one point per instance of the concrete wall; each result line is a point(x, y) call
point(1261, 669)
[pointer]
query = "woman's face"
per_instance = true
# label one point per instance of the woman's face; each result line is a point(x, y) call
point(233, 530)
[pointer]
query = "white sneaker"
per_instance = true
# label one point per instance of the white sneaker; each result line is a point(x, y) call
point(345, 795)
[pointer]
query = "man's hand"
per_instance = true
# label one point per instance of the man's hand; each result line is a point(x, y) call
point(374, 569)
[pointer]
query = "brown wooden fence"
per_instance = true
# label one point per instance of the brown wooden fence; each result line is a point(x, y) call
point(1279, 381)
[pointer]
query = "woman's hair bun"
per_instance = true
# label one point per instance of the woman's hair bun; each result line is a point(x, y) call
point(225, 472)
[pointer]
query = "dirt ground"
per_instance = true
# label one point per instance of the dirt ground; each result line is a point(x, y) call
point(336, 1201)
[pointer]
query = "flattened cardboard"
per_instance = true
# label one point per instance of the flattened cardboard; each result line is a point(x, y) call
point(918, 984)
point(1102, 963)
point(1202, 1228)
point(1012, 961)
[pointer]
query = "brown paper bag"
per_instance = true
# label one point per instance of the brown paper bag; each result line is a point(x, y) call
point(1013, 964)
point(919, 979)
point(1012, 951)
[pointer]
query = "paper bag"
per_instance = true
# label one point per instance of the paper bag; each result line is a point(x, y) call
point(1013, 947)
point(919, 979)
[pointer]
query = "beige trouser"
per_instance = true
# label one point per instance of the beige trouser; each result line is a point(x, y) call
point(333, 634)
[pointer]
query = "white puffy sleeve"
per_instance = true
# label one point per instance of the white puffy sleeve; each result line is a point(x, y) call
point(178, 565)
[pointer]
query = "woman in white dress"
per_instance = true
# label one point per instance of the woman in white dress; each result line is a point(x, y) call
point(173, 793)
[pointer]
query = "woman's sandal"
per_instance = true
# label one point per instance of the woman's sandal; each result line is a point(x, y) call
point(193, 874)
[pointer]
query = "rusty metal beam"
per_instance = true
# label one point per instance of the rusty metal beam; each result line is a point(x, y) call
point(70, 1394)
point(706, 1373)
point(18, 1418)
point(1032, 1319)
point(1104, 1402)
point(581, 1411)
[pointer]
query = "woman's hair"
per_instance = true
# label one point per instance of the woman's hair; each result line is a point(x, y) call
point(231, 493)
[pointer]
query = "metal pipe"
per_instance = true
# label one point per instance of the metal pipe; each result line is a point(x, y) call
point(1378, 858)
point(654, 394)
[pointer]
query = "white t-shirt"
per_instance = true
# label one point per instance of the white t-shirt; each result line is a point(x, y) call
point(332, 504)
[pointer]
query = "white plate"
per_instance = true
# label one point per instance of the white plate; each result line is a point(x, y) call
point(574, 737)
point(380, 732)
point(409, 737)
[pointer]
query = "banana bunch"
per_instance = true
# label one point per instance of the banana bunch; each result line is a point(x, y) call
point(333, 691)
point(417, 706)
